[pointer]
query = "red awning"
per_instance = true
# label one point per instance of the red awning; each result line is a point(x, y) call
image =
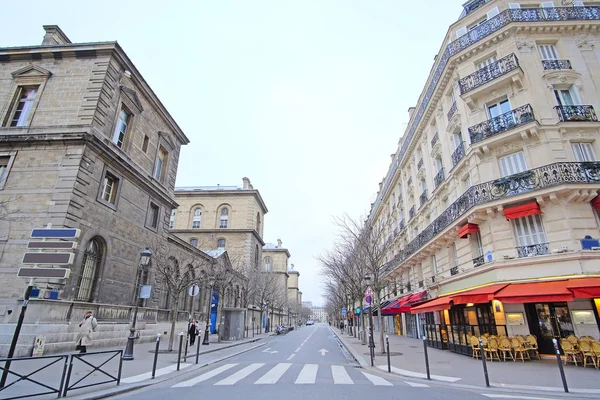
point(438, 304)
point(585, 288)
point(535, 292)
point(402, 305)
point(479, 295)
point(468, 228)
point(596, 203)
point(523, 210)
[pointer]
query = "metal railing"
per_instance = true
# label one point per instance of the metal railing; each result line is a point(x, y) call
point(576, 113)
point(402, 224)
point(439, 178)
point(478, 261)
point(423, 198)
point(470, 7)
point(411, 212)
point(26, 383)
point(435, 139)
point(81, 357)
point(502, 123)
point(458, 154)
point(538, 249)
point(420, 164)
point(409, 181)
point(452, 111)
point(556, 64)
point(454, 271)
point(488, 73)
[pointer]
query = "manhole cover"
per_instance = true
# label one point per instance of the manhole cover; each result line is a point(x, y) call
point(392, 354)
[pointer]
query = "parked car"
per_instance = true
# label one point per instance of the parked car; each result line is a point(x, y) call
point(310, 322)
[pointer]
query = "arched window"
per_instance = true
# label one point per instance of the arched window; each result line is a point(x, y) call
point(267, 264)
point(196, 219)
point(224, 218)
point(92, 257)
point(172, 219)
point(194, 242)
point(258, 223)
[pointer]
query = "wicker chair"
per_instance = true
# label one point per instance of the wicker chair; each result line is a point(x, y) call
point(505, 347)
point(596, 349)
point(587, 353)
point(519, 349)
point(574, 341)
point(531, 346)
point(569, 351)
point(475, 346)
point(492, 349)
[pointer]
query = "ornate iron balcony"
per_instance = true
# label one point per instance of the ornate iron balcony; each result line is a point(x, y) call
point(478, 261)
point(439, 178)
point(458, 154)
point(419, 164)
point(402, 225)
point(423, 197)
point(409, 181)
point(501, 123)
point(411, 212)
point(474, 5)
point(395, 232)
point(452, 111)
point(576, 113)
point(488, 73)
point(535, 179)
point(556, 64)
point(454, 271)
point(533, 250)
point(435, 139)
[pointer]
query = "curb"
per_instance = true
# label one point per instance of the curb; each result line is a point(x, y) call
point(359, 359)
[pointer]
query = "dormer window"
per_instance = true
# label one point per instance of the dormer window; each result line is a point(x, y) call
point(121, 127)
point(23, 105)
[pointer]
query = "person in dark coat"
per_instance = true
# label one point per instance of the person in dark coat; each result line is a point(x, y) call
point(192, 331)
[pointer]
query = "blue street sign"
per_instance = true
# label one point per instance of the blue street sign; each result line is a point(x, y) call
point(344, 311)
point(368, 299)
point(55, 233)
point(358, 310)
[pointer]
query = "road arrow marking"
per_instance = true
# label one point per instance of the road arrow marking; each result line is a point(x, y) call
point(270, 352)
point(323, 351)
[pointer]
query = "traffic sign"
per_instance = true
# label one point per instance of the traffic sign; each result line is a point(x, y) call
point(55, 233)
point(194, 290)
point(52, 245)
point(369, 291)
point(48, 258)
point(344, 311)
point(368, 299)
point(27, 272)
point(358, 310)
point(145, 291)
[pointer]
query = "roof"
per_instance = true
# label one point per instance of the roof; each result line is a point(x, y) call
point(215, 253)
point(210, 188)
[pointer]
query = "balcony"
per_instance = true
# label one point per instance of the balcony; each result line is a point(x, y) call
point(487, 74)
point(439, 178)
point(576, 113)
point(478, 261)
point(454, 271)
point(473, 5)
point(409, 181)
point(452, 111)
point(458, 154)
point(550, 65)
point(502, 123)
point(411, 212)
point(395, 232)
point(423, 198)
point(435, 139)
point(533, 250)
point(402, 224)
point(420, 164)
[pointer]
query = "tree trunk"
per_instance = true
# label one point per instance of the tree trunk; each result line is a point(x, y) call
point(174, 315)
point(380, 323)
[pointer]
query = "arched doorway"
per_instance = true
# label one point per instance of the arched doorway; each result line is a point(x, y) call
point(92, 258)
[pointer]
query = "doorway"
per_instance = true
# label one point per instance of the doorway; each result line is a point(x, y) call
point(549, 321)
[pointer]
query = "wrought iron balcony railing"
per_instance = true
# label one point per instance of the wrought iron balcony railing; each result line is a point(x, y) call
point(419, 164)
point(556, 64)
point(402, 225)
point(411, 212)
point(439, 178)
point(458, 154)
point(452, 111)
point(435, 139)
point(454, 271)
point(576, 113)
point(423, 198)
point(478, 261)
point(474, 5)
point(533, 250)
point(395, 232)
point(409, 181)
point(502, 123)
point(488, 73)
point(482, 31)
point(530, 181)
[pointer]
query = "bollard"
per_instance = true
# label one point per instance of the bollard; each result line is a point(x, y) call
point(485, 372)
point(197, 351)
point(426, 357)
point(387, 347)
point(180, 346)
point(155, 355)
point(560, 366)
point(371, 346)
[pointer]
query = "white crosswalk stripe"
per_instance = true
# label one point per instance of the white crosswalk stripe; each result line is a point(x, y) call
point(206, 376)
point(273, 375)
point(238, 376)
point(340, 376)
point(416, 384)
point(376, 380)
point(308, 375)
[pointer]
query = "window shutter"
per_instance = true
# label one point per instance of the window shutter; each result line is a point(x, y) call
point(547, 4)
point(513, 164)
point(578, 4)
point(514, 5)
point(583, 151)
point(492, 13)
point(460, 32)
point(548, 52)
point(529, 230)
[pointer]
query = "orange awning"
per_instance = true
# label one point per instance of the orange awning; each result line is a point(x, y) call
point(438, 304)
point(596, 203)
point(523, 210)
point(468, 228)
point(535, 292)
point(585, 288)
point(479, 295)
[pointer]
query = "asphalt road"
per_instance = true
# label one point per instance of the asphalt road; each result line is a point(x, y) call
point(306, 364)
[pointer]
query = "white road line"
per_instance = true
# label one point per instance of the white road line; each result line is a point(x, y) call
point(273, 375)
point(376, 380)
point(308, 374)
point(508, 396)
point(148, 375)
point(297, 350)
point(238, 376)
point(413, 374)
point(415, 384)
point(290, 357)
point(205, 376)
point(340, 376)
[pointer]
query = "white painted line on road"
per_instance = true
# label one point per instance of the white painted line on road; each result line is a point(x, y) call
point(508, 396)
point(148, 375)
point(340, 376)
point(290, 357)
point(274, 374)
point(297, 350)
point(545, 388)
point(376, 380)
point(308, 374)
point(415, 384)
point(241, 374)
point(205, 376)
point(413, 374)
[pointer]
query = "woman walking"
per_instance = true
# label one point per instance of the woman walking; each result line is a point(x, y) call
point(193, 331)
point(86, 327)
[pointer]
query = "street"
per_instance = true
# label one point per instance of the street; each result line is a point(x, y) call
point(304, 364)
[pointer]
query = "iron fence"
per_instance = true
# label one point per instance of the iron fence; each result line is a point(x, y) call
point(12, 388)
point(556, 64)
point(576, 113)
point(502, 123)
point(79, 384)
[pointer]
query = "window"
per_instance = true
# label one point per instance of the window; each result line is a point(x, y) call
point(110, 186)
point(121, 127)
point(145, 144)
point(567, 97)
point(439, 165)
point(548, 52)
point(152, 216)
point(172, 219)
point(221, 243)
point(486, 63)
point(467, 183)
point(582, 151)
point(512, 164)
point(457, 139)
point(23, 106)
point(529, 230)
point(196, 218)
point(499, 108)
point(224, 218)
point(194, 242)
point(4, 162)
point(161, 163)
point(267, 264)
point(89, 270)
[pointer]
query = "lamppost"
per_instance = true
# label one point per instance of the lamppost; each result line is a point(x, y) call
point(367, 279)
point(145, 256)
point(211, 283)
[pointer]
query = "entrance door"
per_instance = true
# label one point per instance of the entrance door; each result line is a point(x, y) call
point(411, 326)
point(549, 321)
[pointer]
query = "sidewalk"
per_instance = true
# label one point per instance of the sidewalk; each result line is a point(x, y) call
point(407, 359)
point(134, 374)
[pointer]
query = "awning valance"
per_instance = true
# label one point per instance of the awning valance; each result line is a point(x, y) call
point(403, 304)
point(585, 288)
point(535, 292)
point(523, 210)
point(479, 295)
point(596, 203)
point(468, 228)
point(438, 304)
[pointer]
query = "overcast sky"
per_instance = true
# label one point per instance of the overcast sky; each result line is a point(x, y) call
point(307, 98)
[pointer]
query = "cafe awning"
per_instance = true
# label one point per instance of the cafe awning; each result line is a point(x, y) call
point(466, 229)
point(535, 292)
point(403, 304)
point(523, 210)
point(479, 295)
point(596, 203)
point(437, 304)
point(585, 288)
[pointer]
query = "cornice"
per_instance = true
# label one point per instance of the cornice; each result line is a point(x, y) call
point(224, 193)
point(219, 231)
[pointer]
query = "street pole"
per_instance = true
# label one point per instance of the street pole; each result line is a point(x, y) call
point(128, 355)
point(210, 294)
point(371, 340)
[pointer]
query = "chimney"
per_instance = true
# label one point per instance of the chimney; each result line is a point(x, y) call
point(247, 184)
point(54, 35)
point(292, 266)
point(278, 242)
point(411, 110)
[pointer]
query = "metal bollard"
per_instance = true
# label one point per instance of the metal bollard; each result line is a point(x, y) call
point(560, 366)
point(485, 372)
point(180, 346)
point(387, 348)
point(187, 341)
point(426, 357)
point(198, 350)
point(155, 355)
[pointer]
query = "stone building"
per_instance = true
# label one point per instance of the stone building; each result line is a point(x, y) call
point(490, 201)
point(275, 262)
point(293, 289)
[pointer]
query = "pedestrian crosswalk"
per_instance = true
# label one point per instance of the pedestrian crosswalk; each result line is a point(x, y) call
point(298, 374)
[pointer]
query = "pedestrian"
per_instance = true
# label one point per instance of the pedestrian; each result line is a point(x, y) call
point(193, 331)
point(342, 326)
point(86, 327)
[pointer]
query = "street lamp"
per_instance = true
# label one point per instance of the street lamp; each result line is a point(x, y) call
point(211, 284)
point(145, 257)
point(367, 279)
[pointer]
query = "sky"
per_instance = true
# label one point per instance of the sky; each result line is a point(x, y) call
point(307, 98)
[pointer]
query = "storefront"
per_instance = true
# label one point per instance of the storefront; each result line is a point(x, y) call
point(402, 305)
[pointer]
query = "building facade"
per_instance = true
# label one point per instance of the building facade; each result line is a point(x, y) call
point(275, 263)
point(494, 184)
